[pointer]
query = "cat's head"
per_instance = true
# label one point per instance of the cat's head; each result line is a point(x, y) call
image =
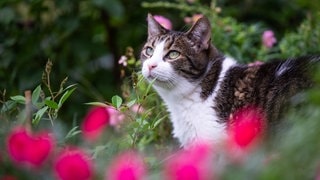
point(170, 57)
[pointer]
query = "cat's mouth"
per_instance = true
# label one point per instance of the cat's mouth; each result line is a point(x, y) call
point(155, 79)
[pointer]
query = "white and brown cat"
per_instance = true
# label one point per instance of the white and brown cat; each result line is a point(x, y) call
point(201, 87)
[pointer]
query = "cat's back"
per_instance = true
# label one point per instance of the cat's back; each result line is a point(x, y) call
point(267, 86)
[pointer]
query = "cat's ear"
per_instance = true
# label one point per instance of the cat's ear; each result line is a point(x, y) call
point(154, 28)
point(201, 32)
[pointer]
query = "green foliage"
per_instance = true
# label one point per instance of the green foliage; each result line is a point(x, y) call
point(43, 104)
point(305, 40)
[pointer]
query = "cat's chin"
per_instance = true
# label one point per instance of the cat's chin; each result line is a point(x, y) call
point(158, 82)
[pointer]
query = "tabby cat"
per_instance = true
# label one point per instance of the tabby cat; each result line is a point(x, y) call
point(201, 87)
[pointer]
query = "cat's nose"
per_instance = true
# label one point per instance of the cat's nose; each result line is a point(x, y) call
point(152, 66)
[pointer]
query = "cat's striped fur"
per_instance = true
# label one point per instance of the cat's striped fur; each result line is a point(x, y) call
point(202, 88)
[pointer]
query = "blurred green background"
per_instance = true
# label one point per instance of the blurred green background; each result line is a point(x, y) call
point(85, 39)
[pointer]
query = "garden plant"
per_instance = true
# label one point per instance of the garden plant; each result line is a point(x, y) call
point(47, 133)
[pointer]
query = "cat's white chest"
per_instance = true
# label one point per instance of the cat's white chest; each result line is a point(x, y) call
point(193, 118)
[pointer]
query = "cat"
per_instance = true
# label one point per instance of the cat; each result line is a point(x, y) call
point(202, 87)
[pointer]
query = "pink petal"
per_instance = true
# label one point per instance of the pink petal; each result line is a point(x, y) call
point(245, 128)
point(116, 117)
point(193, 163)
point(73, 165)
point(163, 21)
point(268, 39)
point(127, 166)
point(44, 145)
point(29, 149)
point(95, 122)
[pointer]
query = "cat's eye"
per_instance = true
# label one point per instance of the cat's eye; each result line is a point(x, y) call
point(173, 54)
point(149, 51)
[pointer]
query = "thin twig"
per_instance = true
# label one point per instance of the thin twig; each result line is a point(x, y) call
point(28, 114)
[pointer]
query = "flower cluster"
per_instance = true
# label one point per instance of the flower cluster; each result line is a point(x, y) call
point(196, 162)
point(33, 150)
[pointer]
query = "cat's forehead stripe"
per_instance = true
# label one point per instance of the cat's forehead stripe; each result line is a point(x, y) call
point(169, 42)
point(158, 51)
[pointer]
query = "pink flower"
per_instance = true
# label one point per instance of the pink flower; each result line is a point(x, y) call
point(193, 163)
point(268, 39)
point(123, 60)
point(138, 109)
point(29, 149)
point(116, 117)
point(246, 127)
point(164, 22)
point(127, 166)
point(73, 165)
point(95, 122)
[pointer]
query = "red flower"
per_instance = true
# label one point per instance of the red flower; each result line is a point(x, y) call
point(246, 128)
point(29, 149)
point(95, 122)
point(193, 164)
point(73, 165)
point(127, 166)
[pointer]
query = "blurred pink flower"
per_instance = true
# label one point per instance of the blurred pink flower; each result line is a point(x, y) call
point(245, 129)
point(163, 21)
point(116, 117)
point(268, 39)
point(123, 60)
point(193, 19)
point(73, 164)
point(127, 166)
point(137, 108)
point(192, 163)
point(29, 149)
point(95, 122)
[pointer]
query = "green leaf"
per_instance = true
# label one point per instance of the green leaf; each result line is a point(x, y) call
point(149, 86)
point(158, 122)
point(19, 99)
point(51, 104)
point(8, 105)
point(116, 101)
point(64, 97)
point(35, 95)
point(39, 115)
point(97, 104)
point(74, 131)
point(70, 86)
point(131, 103)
